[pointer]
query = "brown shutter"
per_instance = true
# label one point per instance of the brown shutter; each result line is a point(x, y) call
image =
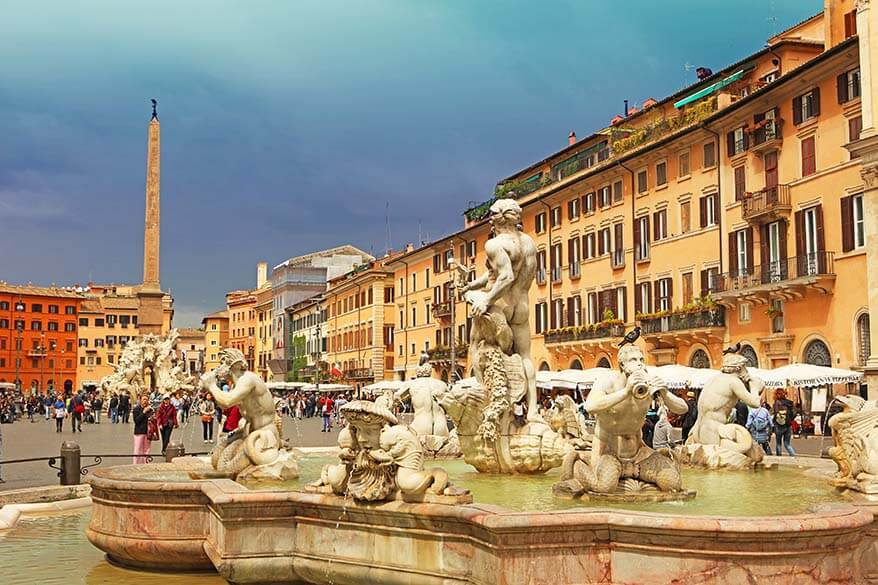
point(618, 241)
point(705, 282)
point(670, 292)
point(593, 302)
point(749, 250)
point(601, 243)
point(730, 143)
point(764, 252)
point(784, 229)
point(656, 296)
point(800, 233)
point(655, 225)
point(733, 252)
point(847, 224)
point(637, 235)
point(570, 312)
point(702, 209)
point(623, 313)
point(638, 308)
point(570, 209)
point(648, 294)
point(740, 185)
point(617, 191)
point(584, 252)
point(816, 100)
point(746, 138)
point(841, 84)
point(797, 110)
point(569, 252)
point(821, 240)
point(436, 265)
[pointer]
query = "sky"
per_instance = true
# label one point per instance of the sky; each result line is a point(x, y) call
point(290, 126)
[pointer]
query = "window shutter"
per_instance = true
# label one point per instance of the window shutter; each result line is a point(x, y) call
point(570, 209)
point(847, 224)
point(841, 84)
point(730, 143)
point(816, 101)
point(758, 118)
point(656, 232)
point(749, 250)
point(602, 249)
point(645, 234)
point(809, 157)
point(733, 252)
point(821, 236)
point(436, 266)
point(623, 312)
point(619, 243)
point(800, 233)
point(617, 191)
point(797, 110)
point(740, 185)
point(570, 312)
point(637, 235)
point(670, 292)
point(656, 296)
point(746, 139)
point(764, 256)
point(705, 283)
point(593, 303)
point(784, 228)
point(702, 204)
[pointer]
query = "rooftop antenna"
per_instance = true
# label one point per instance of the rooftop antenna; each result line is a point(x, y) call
point(772, 19)
point(387, 226)
point(420, 237)
point(687, 68)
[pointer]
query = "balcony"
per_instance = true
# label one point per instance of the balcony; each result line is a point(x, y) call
point(586, 338)
point(617, 259)
point(359, 374)
point(441, 354)
point(692, 326)
point(787, 279)
point(767, 205)
point(442, 309)
point(767, 136)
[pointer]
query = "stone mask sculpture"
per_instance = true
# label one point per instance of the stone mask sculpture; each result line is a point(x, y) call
point(381, 459)
point(620, 463)
point(490, 438)
point(855, 433)
point(255, 450)
point(713, 442)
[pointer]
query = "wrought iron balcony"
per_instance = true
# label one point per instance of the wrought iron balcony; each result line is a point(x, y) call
point(442, 353)
point(599, 331)
point(442, 309)
point(767, 137)
point(683, 320)
point(359, 374)
point(766, 205)
point(788, 278)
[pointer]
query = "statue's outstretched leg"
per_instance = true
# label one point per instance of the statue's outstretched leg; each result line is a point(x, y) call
point(662, 471)
point(606, 475)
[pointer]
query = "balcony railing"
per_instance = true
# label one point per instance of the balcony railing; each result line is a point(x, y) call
point(767, 204)
point(586, 332)
point(617, 258)
point(556, 274)
point(541, 276)
point(682, 321)
point(359, 373)
point(443, 353)
point(575, 269)
point(442, 309)
point(813, 264)
point(768, 133)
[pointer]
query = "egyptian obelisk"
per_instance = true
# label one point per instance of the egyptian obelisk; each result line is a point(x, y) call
point(150, 313)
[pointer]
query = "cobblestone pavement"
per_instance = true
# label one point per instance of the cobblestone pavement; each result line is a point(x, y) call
point(23, 440)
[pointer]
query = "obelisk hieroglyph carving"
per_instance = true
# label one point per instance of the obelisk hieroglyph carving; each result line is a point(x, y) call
point(150, 313)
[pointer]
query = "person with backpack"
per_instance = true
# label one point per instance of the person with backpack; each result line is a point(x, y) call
point(688, 419)
point(782, 414)
point(759, 425)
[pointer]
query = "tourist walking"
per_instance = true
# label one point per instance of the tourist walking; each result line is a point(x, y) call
point(783, 414)
point(142, 412)
point(325, 404)
point(124, 407)
point(47, 404)
point(97, 405)
point(60, 413)
point(662, 437)
point(759, 425)
point(207, 410)
point(167, 419)
point(114, 408)
point(77, 409)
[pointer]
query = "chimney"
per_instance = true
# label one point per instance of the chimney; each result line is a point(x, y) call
point(626, 108)
point(571, 138)
point(409, 247)
point(261, 274)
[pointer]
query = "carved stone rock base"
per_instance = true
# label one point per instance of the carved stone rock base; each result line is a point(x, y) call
point(715, 457)
point(283, 468)
point(436, 447)
point(453, 496)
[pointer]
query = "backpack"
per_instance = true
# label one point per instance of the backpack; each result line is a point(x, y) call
point(780, 417)
point(760, 423)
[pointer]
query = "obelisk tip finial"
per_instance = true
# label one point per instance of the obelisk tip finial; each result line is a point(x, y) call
point(155, 115)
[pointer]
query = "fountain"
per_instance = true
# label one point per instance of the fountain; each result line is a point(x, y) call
point(149, 363)
point(429, 422)
point(377, 514)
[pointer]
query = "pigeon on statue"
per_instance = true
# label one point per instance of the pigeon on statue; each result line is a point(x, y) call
point(733, 349)
point(630, 337)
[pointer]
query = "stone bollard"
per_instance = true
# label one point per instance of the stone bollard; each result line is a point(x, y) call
point(71, 464)
point(173, 451)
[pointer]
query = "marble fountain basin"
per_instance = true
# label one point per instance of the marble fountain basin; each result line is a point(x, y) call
point(777, 526)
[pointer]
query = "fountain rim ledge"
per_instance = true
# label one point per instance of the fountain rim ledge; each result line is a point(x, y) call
point(228, 494)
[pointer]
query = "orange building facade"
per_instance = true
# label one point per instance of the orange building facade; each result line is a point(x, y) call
point(241, 307)
point(38, 336)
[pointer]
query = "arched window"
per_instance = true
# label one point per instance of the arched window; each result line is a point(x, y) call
point(700, 359)
point(864, 341)
point(817, 354)
point(544, 367)
point(604, 363)
point(576, 364)
point(750, 353)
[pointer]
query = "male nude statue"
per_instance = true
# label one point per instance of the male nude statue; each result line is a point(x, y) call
point(512, 265)
point(619, 402)
point(261, 437)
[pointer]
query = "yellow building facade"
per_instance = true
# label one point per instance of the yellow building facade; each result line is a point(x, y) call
point(241, 306)
point(216, 337)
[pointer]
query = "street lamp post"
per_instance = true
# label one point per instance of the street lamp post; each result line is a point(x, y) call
point(319, 344)
point(42, 360)
point(451, 263)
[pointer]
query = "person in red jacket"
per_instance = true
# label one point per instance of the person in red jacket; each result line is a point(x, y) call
point(233, 417)
point(167, 419)
point(325, 405)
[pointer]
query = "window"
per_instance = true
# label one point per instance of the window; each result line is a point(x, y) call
point(555, 261)
point(83, 342)
point(588, 202)
point(573, 208)
point(663, 294)
point(540, 222)
point(744, 313)
point(414, 282)
point(69, 310)
point(855, 127)
point(688, 293)
point(588, 244)
point(683, 164)
point(53, 326)
point(111, 320)
point(641, 238)
point(661, 173)
point(541, 266)
point(850, 23)
point(604, 196)
point(573, 256)
point(4, 324)
point(604, 241)
point(540, 317)
point(738, 141)
point(848, 85)
point(853, 230)
point(740, 182)
point(768, 78)
point(809, 157)
point(593, 308)
point(556, 216)
point(741, 252)
point(427, 313)
point(83, 322)
point(4, 305)
point(642, 182)
point(617, 191)
point(685, 216)
point(414, 322)
point(53, 309)
point(709, 154)
point(708, 210)
point(660, 224)
point(36, 326)
point(36, 308)
point(806, 106)
point(19, 324)
point(99, 343)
